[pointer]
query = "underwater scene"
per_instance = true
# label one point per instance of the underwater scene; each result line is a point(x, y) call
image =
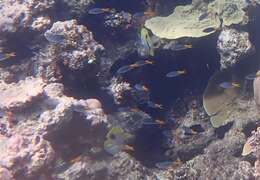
point(129, 89)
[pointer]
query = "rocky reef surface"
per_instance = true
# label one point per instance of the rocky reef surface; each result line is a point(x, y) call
point(151, 89)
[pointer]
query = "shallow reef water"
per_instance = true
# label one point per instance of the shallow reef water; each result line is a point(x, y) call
point(138, 89)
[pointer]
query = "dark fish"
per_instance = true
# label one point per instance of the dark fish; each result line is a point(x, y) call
point(210, 29)
point(179, 47)
point(175, 73)
point(203, 16)
point(227, 85)
point(163, 165)
point(100, 10)
point(124, 69)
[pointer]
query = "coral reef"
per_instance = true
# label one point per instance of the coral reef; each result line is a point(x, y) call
point(201, 19)
point(118, 89)
point(218, 103)
point(17, 96)
point(78, 7)
point(254, 144)
point(24, 14)
point(67, 112)
point(257, 90)
point(232, 46)
point(74, 44)
point(27, 143)
point(31, 153)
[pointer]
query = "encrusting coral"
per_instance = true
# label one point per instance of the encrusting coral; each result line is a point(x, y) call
point(198, 19)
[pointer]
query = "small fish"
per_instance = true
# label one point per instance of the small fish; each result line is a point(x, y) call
point(138, 15)
point(203, 16)
point(141, 14)
point(175, 73)
point(145, 62)
point(125, 69)
point(209, 30)
point(155, 122)
point(188, 131)
point(163, 165)
point(101, 10)
point(141, 87)
point(227, 85)
point(76, 159)
point(160, 122)
point(179, 47)
point(128, 148)
point(154, 105)
point(5, 56)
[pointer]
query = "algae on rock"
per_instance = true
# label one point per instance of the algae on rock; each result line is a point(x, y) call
point(198, 19)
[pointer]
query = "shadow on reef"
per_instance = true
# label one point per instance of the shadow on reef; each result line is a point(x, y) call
point(148, 146)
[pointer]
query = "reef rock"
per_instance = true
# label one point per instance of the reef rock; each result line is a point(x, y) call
point(63, 109)
point(257, 90)
point(20, 95)
point(73, 44)
point(125, 167)
point(26, 136)
point(24, 156)
point(118, 89)
point(78, 7)
point(19, 15)
point(232, 46)
point(198, 19)
point(5, 174)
